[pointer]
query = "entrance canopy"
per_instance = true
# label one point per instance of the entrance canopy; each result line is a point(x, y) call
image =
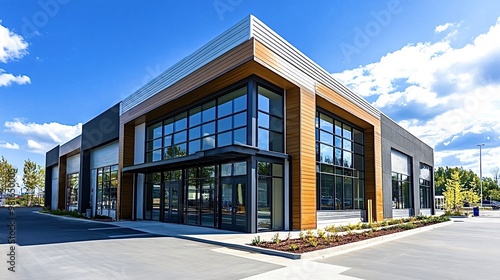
point(201, 157)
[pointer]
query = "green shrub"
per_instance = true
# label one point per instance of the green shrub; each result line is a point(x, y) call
point(407, 226)
point(294, 247)
point(276, 238)
point(321, 234)
point(331, 228)
point(257, 240)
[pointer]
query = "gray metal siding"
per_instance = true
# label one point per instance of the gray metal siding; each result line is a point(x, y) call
point(73, 164)
point(396, 137)
point(104, 156)
point(70, 146)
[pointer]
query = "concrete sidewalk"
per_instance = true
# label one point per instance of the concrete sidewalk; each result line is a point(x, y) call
point(241, 241)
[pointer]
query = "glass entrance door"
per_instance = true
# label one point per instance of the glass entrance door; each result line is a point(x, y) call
point(200, 193)
point(233, 208)
point(171, 201)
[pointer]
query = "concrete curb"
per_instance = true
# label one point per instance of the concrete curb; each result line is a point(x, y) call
point(324, 253)
point(330, 252)
point(74, 219)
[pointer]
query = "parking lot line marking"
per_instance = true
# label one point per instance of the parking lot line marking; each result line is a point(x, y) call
point(104, 228)
point(129, 235)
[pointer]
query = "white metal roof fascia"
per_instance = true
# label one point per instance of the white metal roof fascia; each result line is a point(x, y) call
point(288, 52)
point(231, 38)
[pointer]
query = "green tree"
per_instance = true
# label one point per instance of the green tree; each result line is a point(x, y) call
point(33, 177)
point(471, 196)
point(495, 194)
point(5, 174)
point(454, 195)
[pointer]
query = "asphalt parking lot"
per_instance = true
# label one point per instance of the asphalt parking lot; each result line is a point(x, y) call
point(56, 248)
point(38, 229)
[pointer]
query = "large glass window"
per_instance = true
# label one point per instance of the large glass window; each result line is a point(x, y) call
point(270, 120)
point(152, 196)
point(72, 192)
point(401, 180)
point(340, 164)
point(217, 123)
point(107, 186)
point(270, 196)
point(425, 183)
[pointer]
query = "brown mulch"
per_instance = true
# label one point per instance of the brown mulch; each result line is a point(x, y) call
point(323, 243)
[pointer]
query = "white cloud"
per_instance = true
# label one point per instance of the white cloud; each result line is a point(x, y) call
point(7, 79)
point(12, 47)
point(444, 95)
point(7, 145)
point(443, 27)
point(40, 138)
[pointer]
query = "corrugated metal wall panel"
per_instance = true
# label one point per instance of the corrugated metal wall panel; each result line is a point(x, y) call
point(73, 164)
point(236, 35)
point(400, 163)
point(104, 156)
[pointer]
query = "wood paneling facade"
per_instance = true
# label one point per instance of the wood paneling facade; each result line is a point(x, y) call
point(253, 58)
point(300, 145)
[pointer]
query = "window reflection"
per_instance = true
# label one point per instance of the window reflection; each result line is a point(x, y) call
point(220, 122)
point(340, 162)
point(270, 120)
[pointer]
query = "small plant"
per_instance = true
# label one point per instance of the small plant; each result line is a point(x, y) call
point(257, 240)
point(321, 234)
point(351, 227)
point(302, 235)
point(313, 242)
point(331, 237)
point(407, 226)
point(276, 238)
point(330, 228)
point(310, 234)
point(288, 236)
point(366, 226)
point(294, 247)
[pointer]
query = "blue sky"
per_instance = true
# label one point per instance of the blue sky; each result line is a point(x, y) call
point(432, 66)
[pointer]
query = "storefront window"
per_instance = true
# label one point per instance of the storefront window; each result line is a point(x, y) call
point(340, 164)
point(270, 196)
point(72, 192)
point(270, 120)
point(401, 180)
point(425, 183)
point(217, 123)
point(107, 191)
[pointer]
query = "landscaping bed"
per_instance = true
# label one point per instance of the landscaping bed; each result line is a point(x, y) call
point(336, 236)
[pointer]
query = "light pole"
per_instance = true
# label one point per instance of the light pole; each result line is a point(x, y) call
point(481, 172)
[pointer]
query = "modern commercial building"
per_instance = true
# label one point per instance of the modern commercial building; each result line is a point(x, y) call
point(246, 134)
